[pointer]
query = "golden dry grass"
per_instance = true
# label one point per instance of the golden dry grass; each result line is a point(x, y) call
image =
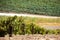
point(44, 21)
point(49, 24)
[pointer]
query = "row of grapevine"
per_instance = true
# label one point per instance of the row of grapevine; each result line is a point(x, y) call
point(16, 25)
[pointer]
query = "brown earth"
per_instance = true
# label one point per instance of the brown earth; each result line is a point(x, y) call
point(32, 37)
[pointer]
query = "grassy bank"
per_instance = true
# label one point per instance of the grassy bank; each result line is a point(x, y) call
point(43, 7)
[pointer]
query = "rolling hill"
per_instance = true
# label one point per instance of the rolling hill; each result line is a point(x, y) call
point(42, 7)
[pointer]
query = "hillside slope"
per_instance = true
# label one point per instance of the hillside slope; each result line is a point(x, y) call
point(42, 7)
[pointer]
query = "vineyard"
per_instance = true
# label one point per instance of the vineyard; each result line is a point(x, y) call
point(42, 7)
point(18, 25)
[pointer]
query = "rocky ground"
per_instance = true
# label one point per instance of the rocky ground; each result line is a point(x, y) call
point(32, 37)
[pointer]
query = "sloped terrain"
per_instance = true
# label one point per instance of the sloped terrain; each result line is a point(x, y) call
point(42, 7)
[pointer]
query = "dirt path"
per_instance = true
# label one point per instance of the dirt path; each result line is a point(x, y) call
point(32, 37)
point(23, 14)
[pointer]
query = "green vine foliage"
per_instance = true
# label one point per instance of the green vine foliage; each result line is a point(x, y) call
point(16, 25)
